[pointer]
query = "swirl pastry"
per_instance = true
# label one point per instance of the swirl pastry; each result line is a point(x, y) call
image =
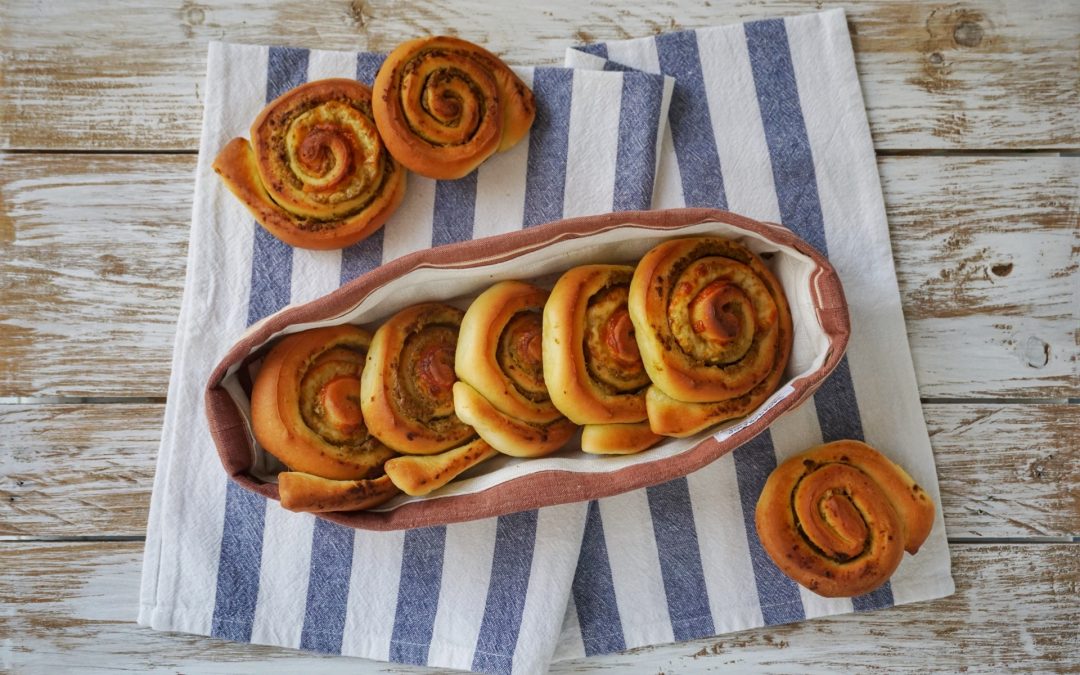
point(315, 173)
point(714, 330)
point(501, 391)
point(305, 405)
point(444, 105)
point(591, 360)
point(838, 518)
point(406, 388)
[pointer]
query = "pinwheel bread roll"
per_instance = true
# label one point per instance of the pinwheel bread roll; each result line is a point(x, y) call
point(444, 105)
point(305, 405)
point(838, 518)
point(406, 388)
point(591, 360)
point(305, 410)
point(714, 330)
point(501, 391)
point(316, 173)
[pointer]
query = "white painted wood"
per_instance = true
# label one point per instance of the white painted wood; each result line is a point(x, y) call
point(92, 256)
point(67, 606)
point(1005, 470)
point(987, 254)
point(128, 74)
point(91, 272)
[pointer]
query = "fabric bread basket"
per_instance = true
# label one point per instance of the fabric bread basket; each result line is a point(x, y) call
point(457, 273)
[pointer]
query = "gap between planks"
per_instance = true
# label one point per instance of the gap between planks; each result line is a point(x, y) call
point(1014, 608)
point(880, 152)
point(985, 250)
point(1019, 484)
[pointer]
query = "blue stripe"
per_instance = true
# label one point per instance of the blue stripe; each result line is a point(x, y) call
point(366, 254)
point(837, 408)
point(367, 66)
point(612, 66)
point(271, 275)
point(361, 257)
point(328, 587)
point(418, 595)
point(639, 119)
point(455, 207)
point(691, 124)
point(778, 595)
point(680, 560)
point(238, 565)
point(515, 539)
point(549, 137)
point(240, 559)
point(800, 206)
point(785, 131)
point(594, 591)
point(595, 48)
point(879, 598)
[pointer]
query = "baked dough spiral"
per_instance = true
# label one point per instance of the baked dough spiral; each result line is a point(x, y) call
point(838, 518)
point(406, 388)
point(305, 405)
point(501, 390)
point(316, 173)
point(714, 330)
point(591, 359)
point(444, 105)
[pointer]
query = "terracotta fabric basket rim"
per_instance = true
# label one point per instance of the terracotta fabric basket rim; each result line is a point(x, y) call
point(548, 487)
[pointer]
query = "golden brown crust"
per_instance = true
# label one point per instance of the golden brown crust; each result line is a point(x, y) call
point(444, 105)
point(305, 404)
point(315, 494)
point(714, 330)
point(419, 475)
point(618, 439)
point(499, 350)
point(500, 358)
point(315, 173)
point(838, 518)
point(509, 435)
point(591, 359)
point(405, 388)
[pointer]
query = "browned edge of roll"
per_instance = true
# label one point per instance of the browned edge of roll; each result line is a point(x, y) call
point(544, 488)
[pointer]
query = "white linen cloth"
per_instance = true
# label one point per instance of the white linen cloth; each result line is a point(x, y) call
point(487, 595)
point(765, 119)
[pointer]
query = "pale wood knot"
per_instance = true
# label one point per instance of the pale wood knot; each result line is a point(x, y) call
point(968, 33)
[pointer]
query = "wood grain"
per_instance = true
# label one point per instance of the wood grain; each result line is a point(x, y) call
point(91, 272)
point(987, 254)
point(127, 75)
point(1005, 470)
point(70, 605)
point(92, 253)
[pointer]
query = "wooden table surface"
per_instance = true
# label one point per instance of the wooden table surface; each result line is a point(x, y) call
point(975, 113)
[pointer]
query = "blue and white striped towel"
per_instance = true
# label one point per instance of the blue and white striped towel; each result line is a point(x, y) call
point(487, 595)
point(766, 119)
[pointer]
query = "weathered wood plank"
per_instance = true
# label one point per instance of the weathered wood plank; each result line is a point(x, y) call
point(1004, 470)
point(987, 255)
point(71, 470)
point(91, 272)
point(127, 75)
point(92, 252)
point(65, 606)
